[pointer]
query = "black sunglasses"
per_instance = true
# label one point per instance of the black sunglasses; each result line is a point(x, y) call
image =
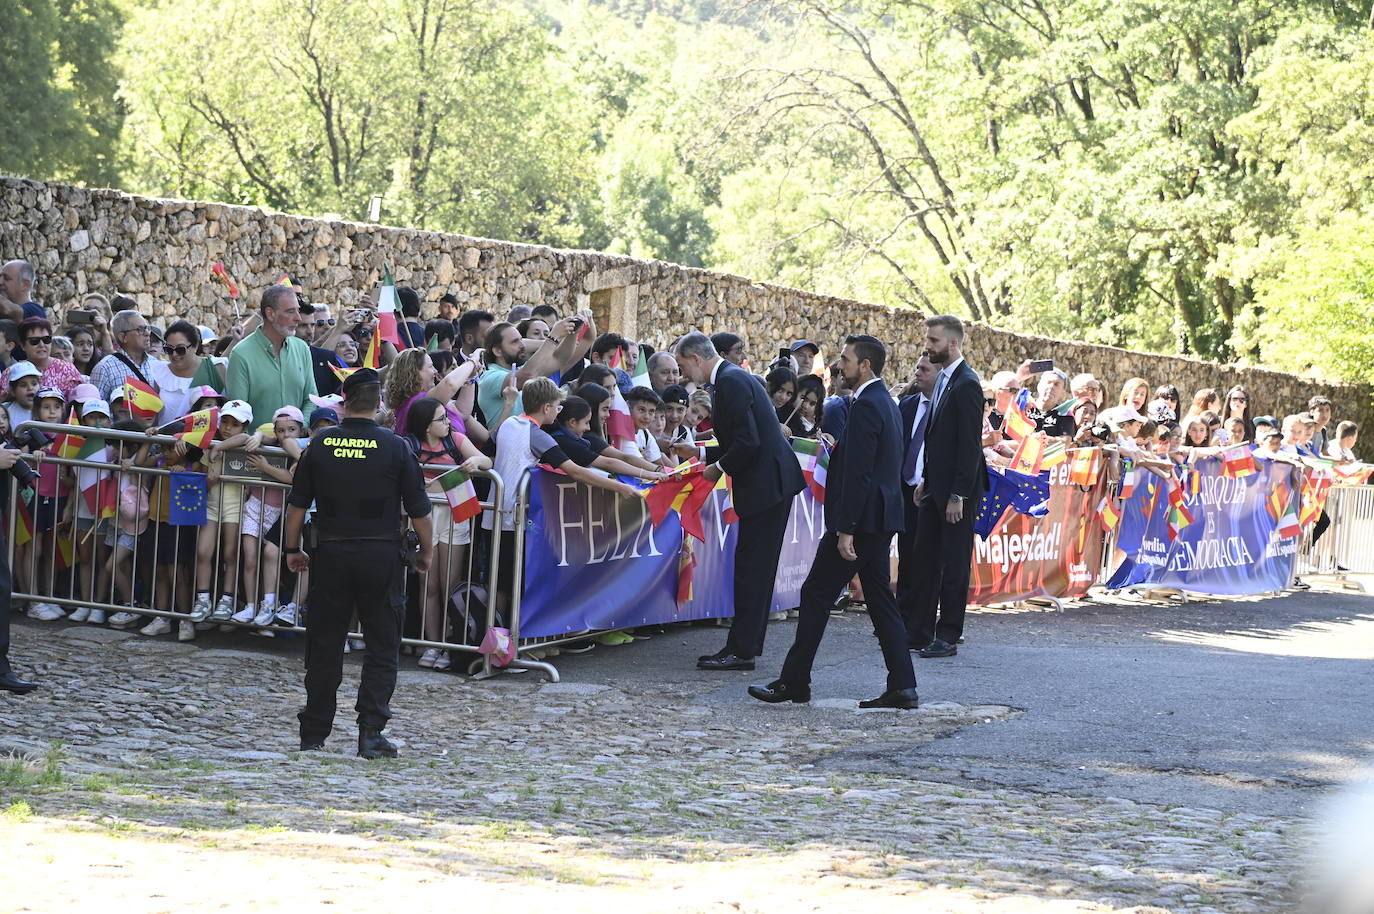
point(176, 350)
point(39, 340)
point(989, 401)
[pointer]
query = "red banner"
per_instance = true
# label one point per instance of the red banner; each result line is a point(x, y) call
point(1058, 555)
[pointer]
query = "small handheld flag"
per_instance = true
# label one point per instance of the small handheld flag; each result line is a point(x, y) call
point(386, 309)
point(1237, 462)
point(1018, 422)
point(220, 274)
point(461, 495)
point(196, 428)
point(373, 358)
point(1029, 456)
point(142, 400)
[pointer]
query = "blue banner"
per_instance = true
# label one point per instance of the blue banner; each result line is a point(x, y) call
point(593, 560)
point(1231, 548)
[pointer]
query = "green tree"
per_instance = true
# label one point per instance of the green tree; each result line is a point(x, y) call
point(63, 117)
point(448, 108)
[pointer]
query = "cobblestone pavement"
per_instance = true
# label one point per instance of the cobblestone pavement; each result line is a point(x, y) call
point(139, 755)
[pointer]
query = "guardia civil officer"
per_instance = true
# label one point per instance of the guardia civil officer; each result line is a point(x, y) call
point(359, 476)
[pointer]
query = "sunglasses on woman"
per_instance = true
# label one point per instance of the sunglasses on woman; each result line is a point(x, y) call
point(39, 341)
point(176, 350)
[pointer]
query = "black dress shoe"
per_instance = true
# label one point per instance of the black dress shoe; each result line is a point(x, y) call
point(716, 656)
point(311, 745)
point(938, 648)
point(726, 662)
point(12, 683)
point(777, 691)
point(371, 744)
point(903, 699)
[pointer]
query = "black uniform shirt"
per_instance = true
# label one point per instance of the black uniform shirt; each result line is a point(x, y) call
point(359, 476)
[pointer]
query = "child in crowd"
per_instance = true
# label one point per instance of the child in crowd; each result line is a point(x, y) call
point(23, 381)
point(261, 540)
point(223, 513)
point(676, 402)
point(571, 431)
point(698, 416)
point(123, 531)
point(48, 507)
point(92, 554)
point(439, 449)
point(174, 544)
point(521, 443)
point(644, 406)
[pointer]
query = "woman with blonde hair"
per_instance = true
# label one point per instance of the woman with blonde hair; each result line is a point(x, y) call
point(1134, 393)
point(1205, 400)
point(412, 377)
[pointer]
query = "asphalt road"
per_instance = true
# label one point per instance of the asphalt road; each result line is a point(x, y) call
point(1255, 705)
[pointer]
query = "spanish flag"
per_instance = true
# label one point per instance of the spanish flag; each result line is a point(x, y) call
point(142, 400)
point(66, 444)
point(373, 358)
point(1109, 513)
point(1017, 423)
point(1029, 456)
point(196, 428)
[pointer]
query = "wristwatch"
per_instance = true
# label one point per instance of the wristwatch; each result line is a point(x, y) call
point(956, 498)
point(291, 550)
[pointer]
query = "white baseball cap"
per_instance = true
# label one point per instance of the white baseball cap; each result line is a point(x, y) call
point(23, 369)
point(239, 410)
point(1120, 415)
point(95, 406)
point(44, 393)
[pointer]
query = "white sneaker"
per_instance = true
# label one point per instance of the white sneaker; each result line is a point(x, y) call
point(442, 662)
point(159, 626)
point(46, 612)
point(245, 616)
point(186, 630)
point(265, 615)
point(201, 610)
point(124, 619)
point(80, 614)
point(428, 657)
point(224, 609)
point(97, 617)
point(286, 615)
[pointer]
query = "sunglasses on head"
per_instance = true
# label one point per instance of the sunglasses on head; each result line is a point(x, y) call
point(39, 340)
point(176, 350)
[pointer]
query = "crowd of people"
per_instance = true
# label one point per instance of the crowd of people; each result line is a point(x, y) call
point(479, 391)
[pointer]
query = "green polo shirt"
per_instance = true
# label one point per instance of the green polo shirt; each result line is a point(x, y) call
point(267, 382)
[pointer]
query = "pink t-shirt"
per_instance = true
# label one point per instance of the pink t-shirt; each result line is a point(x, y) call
point(60, 374)
point(455, 420)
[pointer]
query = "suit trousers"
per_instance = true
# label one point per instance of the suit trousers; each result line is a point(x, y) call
point(758, 544)
point(908, 566)
point(941, 560)
point(828, 572)
point(6, 588)
point(365, 577)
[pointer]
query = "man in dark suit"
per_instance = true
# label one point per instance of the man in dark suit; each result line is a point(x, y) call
point(863, 508)
point(766, 476)
point(953, 476)
point(915, 410)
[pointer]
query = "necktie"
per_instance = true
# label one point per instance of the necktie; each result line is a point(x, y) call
point(913, 448)
point(941, 383)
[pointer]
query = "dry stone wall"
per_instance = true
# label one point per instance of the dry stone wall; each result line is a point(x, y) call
point(159, 252)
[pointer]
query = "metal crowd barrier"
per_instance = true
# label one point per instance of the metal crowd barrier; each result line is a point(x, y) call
point(74, 566)
point(1347, 546)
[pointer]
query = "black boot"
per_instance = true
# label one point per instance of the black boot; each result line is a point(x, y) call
point(371, 744)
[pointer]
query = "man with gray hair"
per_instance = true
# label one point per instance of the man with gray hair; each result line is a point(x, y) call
point(766, 477)
point(272, 367)
point(16, 292)
point(663, 371)
point(131, 358)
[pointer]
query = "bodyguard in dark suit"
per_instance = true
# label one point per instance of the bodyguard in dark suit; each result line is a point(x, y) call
point(766, 476)
point(863, 508)
point(953, 476)
point(915, 410)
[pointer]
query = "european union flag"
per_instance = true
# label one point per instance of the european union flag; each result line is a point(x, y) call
point(188, 500)
point(1008, 488)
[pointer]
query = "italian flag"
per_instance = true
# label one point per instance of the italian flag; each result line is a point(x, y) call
point(1288, 523)
point(66, 444)
point(461, 495)
point(641, 375)
point(102, 498)
point(815, 464)
point(620, 425)
point(386, 310)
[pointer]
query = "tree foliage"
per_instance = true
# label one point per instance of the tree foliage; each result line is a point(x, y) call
point(62, 116)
